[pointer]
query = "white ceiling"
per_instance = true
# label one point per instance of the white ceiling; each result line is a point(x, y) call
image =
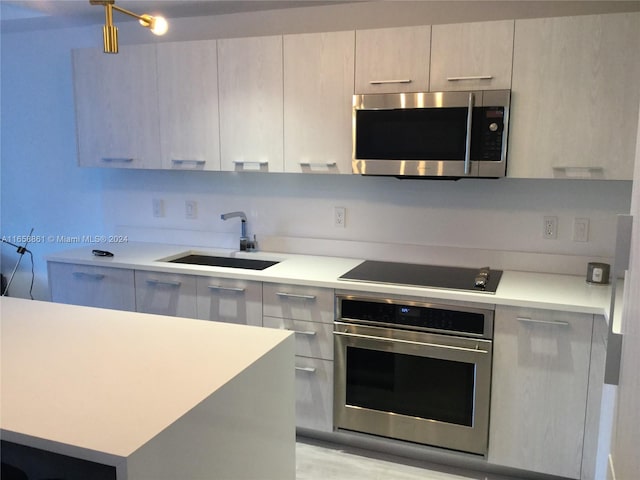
point(16, 15)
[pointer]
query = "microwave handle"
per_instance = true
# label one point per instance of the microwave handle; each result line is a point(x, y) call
point(467, 150)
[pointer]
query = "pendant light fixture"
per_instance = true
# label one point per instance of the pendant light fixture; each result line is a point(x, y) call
point(158, 25)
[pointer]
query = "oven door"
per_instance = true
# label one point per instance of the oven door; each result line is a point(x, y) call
point(425, 388)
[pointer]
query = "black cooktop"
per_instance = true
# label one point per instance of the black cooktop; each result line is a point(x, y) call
point(480, 279)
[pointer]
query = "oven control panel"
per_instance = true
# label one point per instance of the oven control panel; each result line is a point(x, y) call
point(416, 316)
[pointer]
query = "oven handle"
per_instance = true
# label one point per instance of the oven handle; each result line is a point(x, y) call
point(410, 342)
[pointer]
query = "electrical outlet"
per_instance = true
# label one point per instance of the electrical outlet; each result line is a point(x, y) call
point(550, 227)
point(191, 209)
point(158, 207)
point(580, 229)
point(339, 217)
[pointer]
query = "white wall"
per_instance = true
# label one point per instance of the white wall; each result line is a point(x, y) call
point(43, 188)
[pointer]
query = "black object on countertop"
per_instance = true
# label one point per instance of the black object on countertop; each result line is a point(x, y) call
point(434, 276)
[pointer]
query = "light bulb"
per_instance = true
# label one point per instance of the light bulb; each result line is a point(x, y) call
point(160, 26)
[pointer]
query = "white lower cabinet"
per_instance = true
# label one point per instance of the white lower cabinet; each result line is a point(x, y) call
point(166, 293)
point(307, 311)
point(539, 390)
point(92, 286)
point(314, 394)
point(229, 300)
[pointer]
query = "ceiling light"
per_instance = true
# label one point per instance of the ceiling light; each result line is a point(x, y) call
point(158, 25)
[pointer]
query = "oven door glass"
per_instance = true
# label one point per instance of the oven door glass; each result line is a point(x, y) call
point(411, 385)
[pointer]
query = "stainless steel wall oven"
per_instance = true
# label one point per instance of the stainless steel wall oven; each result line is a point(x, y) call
point(413, 371)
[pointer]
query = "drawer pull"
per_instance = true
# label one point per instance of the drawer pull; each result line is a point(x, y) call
point(116, 160)
point(303, 332)
point(94, 276)
point(472, 77)
point(296, 295)
point(383, 82)
point(153, 281)
point(546, 322)
point(306, 369)
point(226, 289)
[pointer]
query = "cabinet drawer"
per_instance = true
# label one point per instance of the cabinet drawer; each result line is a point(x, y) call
point(230, 300)
point(92, 286)
point(166, 294)
point(298, 302)
point(314, 394)
point(313, 339)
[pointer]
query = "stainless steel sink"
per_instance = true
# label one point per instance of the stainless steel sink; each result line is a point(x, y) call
point(231, 262)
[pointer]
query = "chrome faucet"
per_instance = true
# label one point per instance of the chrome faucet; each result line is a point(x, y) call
point(245, 243)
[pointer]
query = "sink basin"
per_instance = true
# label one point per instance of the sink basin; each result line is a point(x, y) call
point(213, 261)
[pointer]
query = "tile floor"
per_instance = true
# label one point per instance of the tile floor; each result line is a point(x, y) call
point(316, 460)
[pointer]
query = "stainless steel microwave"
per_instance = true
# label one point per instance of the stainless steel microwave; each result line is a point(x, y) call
point(434, 134)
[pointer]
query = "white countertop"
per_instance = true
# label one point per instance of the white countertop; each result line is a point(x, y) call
point(91, 380)
point(523, 289)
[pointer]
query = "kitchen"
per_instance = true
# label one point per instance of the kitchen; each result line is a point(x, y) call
point(419, 220)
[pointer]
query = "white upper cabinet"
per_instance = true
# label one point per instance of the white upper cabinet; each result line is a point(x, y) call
point(318, 95)
point(390, 60)
point(250, 86)
point(575, 96)
point(188, 104)
point(472, 56)
point(116, 100)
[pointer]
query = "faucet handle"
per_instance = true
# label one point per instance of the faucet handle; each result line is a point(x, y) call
point(252, 245)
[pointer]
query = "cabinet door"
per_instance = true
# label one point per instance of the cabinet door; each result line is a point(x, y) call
point(575, 97)
point(188, 103)
point(229, 300)
point(318, 96)
point(92, 286)
point(250, 83)
point(539, 390)
point(166, 294)
point(472, 56)
point(116, 100)
point(392, 60)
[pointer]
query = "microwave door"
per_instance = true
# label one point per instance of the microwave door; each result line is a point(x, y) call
point(414, 142)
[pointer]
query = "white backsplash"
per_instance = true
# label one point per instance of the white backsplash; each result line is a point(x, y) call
point(497, 222)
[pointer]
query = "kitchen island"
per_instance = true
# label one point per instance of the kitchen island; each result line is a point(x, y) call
point(147, 396)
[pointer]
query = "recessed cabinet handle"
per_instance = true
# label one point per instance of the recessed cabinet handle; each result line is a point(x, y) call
point(188, 163)
point(117, 160)
point(383, 82)
point(94, 276)
point(153, 281)
point(546, 322)
point(578, 172)
point(306, 369)
point(471, 77)
point(226, 289)
point(294, 295)
point(322, 164)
